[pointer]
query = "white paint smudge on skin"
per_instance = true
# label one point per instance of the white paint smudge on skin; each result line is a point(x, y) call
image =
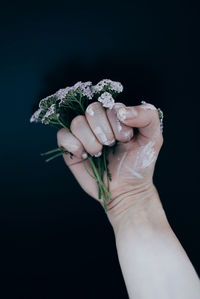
point(101, 134)
point(120, 164)
point(122, 113)
point(135, 173)
point(119, 104)
point(145, 157)
point(147, 106)
point(90, 111)
point(116, 107)
point(73, 147)
point(128, 133)
point(119, 127)
point(156, 133)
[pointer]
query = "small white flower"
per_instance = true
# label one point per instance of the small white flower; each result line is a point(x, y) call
point(50, 112)
point(111, 85)
point(116, 86)
point(45, 100)
point(107, 100)
point(35, 116)
point(61, 93)
point(85, 88)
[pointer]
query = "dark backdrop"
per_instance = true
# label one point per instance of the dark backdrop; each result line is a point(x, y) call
point(55, 240)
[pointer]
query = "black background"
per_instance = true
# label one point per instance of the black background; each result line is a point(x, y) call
point(56, 241)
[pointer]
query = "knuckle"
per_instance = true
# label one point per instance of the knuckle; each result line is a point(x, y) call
point(126, 136)
point(92, 107)
point(94, 104)
point(78, 147)
point(97, 150)
point(60, 134)
point(155, 115)
point(118, 105)
point(76, 121)
point(160, 141)
point(75, 147)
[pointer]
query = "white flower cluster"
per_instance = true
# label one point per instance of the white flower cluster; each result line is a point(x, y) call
point(104, 89)
point(44, 101)
point(111, 85)
point(85, 88)
point(50, 112)
point(107, 100)
point(35, 116)
point(61, 93)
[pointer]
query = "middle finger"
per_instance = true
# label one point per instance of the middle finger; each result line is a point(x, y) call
point(98, 121)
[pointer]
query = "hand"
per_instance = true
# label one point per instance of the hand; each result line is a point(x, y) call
point(133, 161)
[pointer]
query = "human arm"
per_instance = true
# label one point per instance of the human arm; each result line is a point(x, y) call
point(153, 262)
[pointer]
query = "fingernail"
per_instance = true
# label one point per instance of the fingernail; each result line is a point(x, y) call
point(84, 155)
point(118, 105)
point(124, 113)
point(110, 143)
point(97, 155)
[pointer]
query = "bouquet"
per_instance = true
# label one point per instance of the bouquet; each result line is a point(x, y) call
point(61, 107)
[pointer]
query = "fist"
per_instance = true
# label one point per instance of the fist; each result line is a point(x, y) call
point(133, 161)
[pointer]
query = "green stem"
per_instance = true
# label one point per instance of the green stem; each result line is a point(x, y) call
point(99, 164)
point(75, 100)
point(88, 170)
point(50, 152)
point(54, 122)
point(103, 196)
point(100, 186)
point(99, 191)
point(62, 124)
point(99, 179)
point(106, 168)
point(53, 157)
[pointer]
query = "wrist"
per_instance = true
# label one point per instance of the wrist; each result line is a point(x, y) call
point(137, 209)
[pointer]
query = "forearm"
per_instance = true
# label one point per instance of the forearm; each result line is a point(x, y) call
point(153, 262)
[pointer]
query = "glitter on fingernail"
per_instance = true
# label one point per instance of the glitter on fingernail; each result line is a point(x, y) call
point(99, 154)
point(110, 143)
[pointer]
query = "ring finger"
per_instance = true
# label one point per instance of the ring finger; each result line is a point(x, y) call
point(81, 129)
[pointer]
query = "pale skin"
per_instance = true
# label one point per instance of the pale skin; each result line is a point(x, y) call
point(153, 262)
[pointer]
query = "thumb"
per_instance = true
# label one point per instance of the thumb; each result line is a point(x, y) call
point(144, 117)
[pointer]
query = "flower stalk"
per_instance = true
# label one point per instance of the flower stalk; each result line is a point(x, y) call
point(60, 108)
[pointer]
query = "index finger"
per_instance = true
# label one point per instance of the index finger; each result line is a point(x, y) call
point(144, 117)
